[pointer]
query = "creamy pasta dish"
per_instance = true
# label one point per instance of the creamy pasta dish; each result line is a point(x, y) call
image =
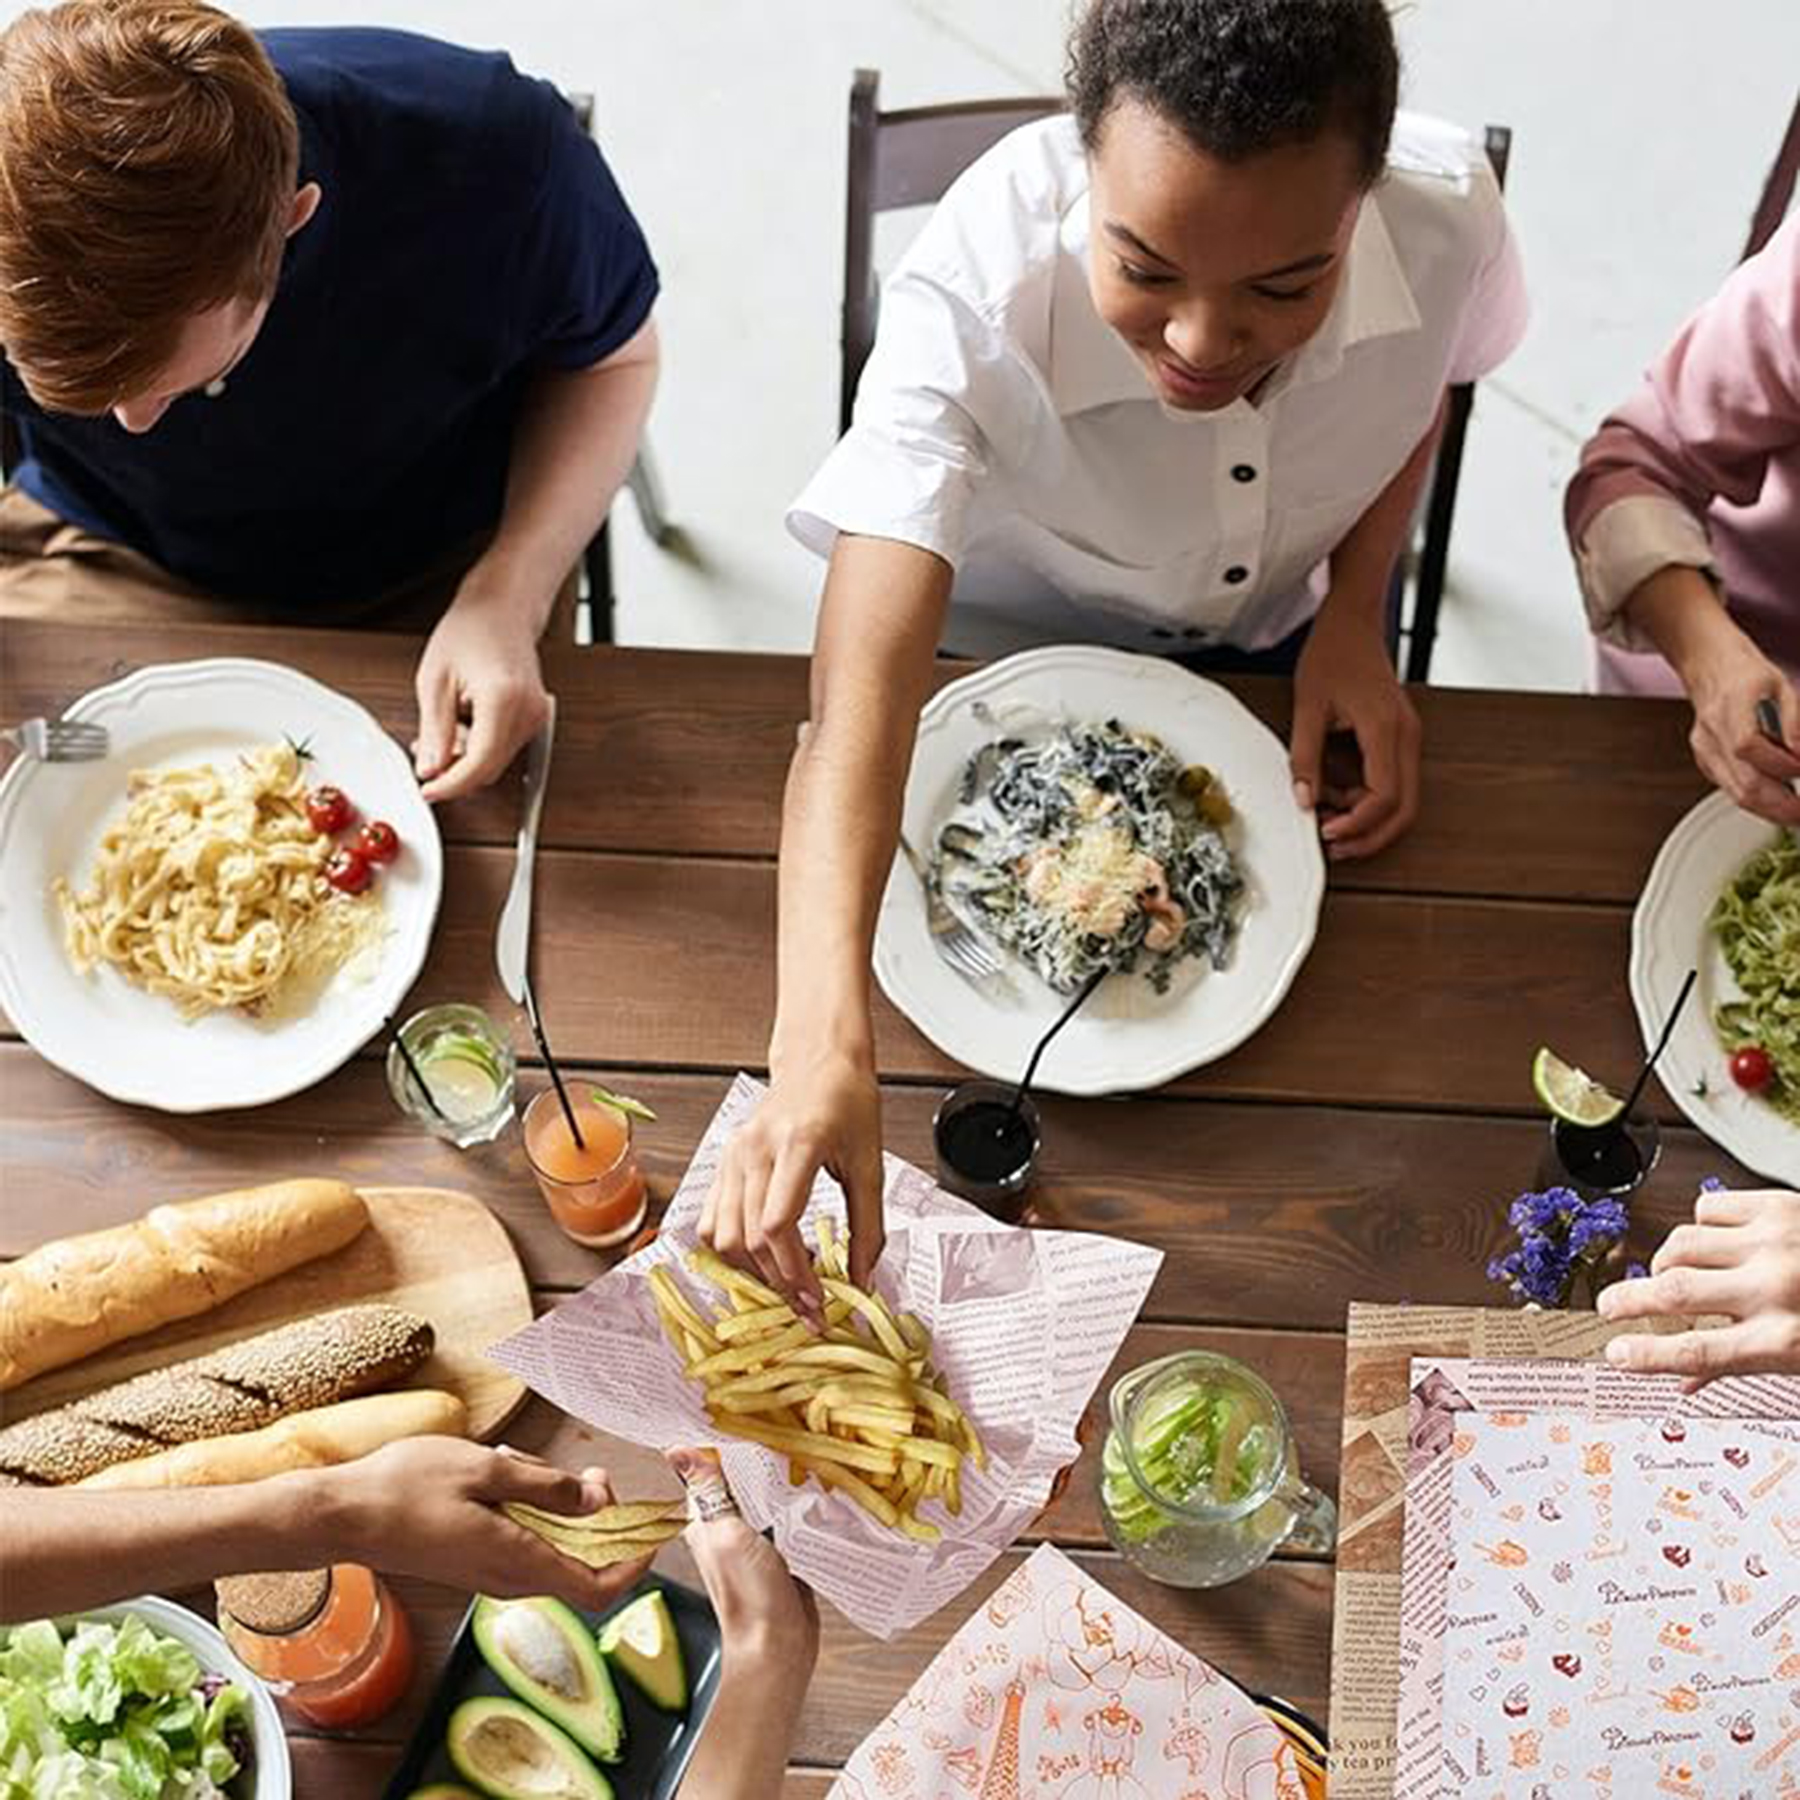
point(1093, 847)
point(211, 888)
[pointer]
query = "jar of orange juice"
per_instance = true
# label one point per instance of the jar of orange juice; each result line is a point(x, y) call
point(334, 1645)
point(594, 1188)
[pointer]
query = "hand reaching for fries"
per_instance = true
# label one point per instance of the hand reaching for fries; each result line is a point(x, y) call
point(854, 1403)
point(825, 1116)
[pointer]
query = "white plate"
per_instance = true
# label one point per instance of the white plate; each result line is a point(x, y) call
point(1128, 1036)
point(273, 1769)
point(1669, 936)
point(133, 1045)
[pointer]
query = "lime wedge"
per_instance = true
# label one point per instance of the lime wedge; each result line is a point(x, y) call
point(621, 1103)
point(1571, 1093)
point(464, 1090)
point(462, 1046)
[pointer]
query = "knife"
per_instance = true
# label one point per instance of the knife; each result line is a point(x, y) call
point(512, 943)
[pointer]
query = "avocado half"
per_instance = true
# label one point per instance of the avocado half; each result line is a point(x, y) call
point(511, 1753)
point(641, 1640)
point(444, 1790)
point(545, 1653)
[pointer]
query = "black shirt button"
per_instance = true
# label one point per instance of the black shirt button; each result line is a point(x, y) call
point(1242, 472)
point(1161, 631)
point(1237, 573)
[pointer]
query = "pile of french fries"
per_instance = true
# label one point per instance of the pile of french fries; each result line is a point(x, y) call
point(857, 1407)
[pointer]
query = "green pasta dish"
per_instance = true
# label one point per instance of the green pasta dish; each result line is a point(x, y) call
point(1757, 919)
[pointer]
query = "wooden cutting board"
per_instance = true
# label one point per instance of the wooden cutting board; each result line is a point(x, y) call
point(433, 1251)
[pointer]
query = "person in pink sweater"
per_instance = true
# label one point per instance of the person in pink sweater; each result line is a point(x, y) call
point(1684, 518)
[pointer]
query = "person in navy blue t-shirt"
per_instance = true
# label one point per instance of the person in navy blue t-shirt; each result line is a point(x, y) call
point(314, 322)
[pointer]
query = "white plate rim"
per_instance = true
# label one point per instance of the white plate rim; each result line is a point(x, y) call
point(1754, 1134)
point(406, 956)
point(1127, 1073)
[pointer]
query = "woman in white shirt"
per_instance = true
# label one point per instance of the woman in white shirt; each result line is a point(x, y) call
point(1165, 373)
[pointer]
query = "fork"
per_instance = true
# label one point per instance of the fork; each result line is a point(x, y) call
point(58, 740)
point(955, 942)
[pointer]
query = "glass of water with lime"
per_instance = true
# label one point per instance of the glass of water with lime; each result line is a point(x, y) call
point(1200, 1479)
point(459, 1085)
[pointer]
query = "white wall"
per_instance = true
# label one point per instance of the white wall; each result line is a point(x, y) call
point(1642, 129)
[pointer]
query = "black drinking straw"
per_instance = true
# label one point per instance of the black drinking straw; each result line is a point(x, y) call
point(556, 1080)
point(1687, 987)
point(418, 1075)
point(1043, 1044)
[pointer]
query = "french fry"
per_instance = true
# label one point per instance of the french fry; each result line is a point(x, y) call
point(874, 1309)
point(751, 1324)
point(856, 1407)
point(808, 1444)
point(718, 1271)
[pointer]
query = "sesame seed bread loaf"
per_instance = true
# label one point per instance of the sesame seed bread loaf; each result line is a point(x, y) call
point(243, 1387)
point(69, 1298)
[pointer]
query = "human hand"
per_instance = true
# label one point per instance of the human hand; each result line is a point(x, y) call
point(1741, 1258)
point(820, 1113)
point(430, 1506)
point(761, 1607)
point(1346, 681)
point(480, 690)
point(1724, 685)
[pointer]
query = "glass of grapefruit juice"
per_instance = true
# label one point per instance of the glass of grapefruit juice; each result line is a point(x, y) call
point(595, 1189)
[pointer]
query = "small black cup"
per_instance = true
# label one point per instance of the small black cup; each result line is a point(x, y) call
point(985, 1153)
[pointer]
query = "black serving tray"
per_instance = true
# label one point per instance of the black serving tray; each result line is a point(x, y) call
point(658, 1745)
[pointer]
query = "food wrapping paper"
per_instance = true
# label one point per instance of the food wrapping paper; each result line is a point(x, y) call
point(1601, 1591)
point(1023, 1325)
point(1056, 1690)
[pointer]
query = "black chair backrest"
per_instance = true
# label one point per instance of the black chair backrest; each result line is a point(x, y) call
point(1778, 190)
point(901, 159)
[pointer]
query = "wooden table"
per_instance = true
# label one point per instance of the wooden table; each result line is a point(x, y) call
point(1361, 1146)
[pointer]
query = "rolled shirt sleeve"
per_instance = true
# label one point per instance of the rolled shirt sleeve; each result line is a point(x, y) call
point(1715, 406)
point(919, 444)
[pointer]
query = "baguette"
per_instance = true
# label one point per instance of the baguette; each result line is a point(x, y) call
point(306, 1440)
point(243, 1387)
point(69, 1298)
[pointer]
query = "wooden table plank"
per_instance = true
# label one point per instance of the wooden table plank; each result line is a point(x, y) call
point(1264, 1215)
point(706, 738)
point(1403, 1002)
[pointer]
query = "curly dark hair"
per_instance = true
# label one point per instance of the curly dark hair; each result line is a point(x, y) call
point(1239, 77)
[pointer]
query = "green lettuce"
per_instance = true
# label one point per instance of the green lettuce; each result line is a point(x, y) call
point(111, 1712)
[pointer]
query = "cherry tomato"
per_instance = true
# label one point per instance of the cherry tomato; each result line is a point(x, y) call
point(378, 841)
point(349, 871)
point(328, 810)
point(1751, 1068)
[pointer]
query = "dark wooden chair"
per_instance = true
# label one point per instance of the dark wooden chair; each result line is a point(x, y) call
point(596, 601)
point(1778, 189)
point(910, 157)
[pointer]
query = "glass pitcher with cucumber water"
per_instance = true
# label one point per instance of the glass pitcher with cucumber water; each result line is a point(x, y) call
point(1200, 1480)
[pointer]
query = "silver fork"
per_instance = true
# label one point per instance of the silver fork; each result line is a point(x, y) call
point(58, 740)
point(955, 942)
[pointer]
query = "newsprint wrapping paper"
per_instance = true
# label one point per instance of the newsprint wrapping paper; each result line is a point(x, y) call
point(1365, 1631)
point(1023, 1324)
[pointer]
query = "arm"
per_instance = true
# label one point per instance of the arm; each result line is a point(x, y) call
point(424, 1506)
point(1346, 677)
point(879, 624)
point(577, 434)
point(769, 1634)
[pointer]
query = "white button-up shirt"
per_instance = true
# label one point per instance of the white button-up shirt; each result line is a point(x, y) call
point(1003, 425)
